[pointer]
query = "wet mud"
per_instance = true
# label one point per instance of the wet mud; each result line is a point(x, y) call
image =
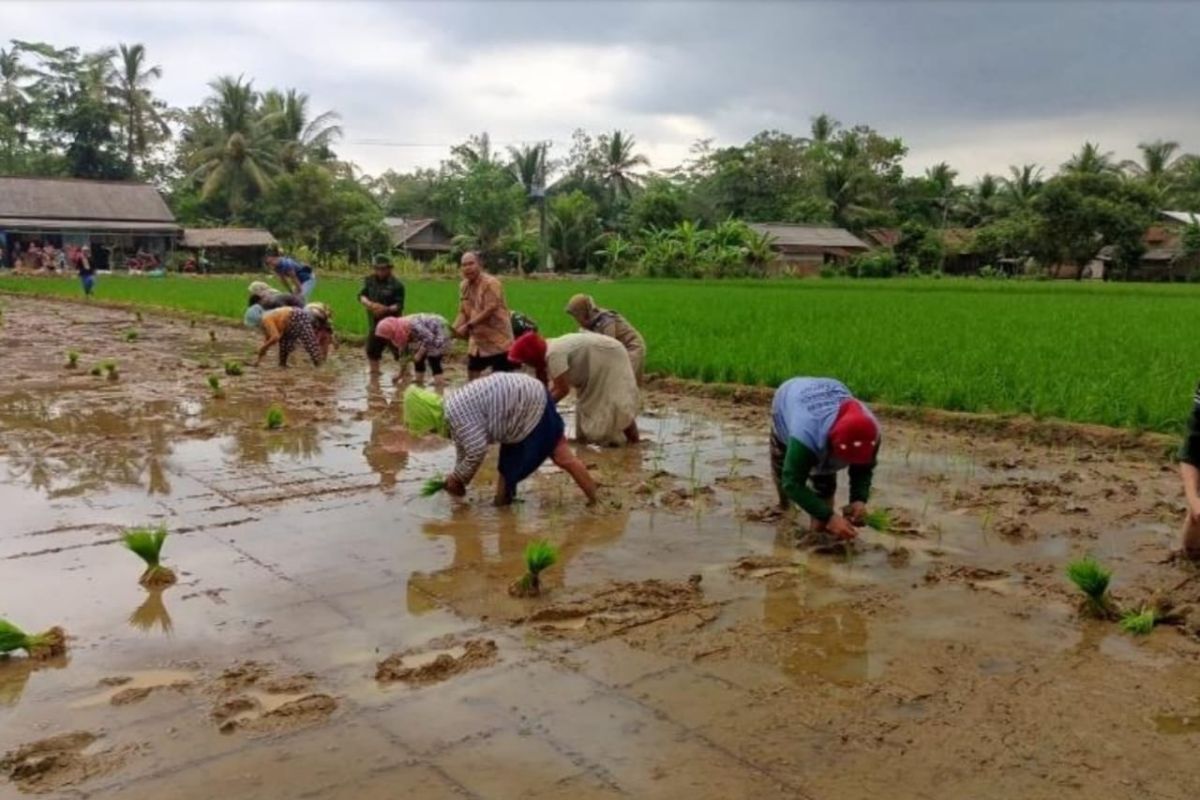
point(333, 634)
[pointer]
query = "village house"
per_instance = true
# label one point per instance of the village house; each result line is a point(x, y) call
point(803, 249)
point(116, 219)
point(420, 239)
point(228, 248)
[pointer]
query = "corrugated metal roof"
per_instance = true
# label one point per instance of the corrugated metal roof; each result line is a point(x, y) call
point(73, 199)
point(227, 237)
point(1186, 217)
point(795, 235)
point(403, 229)
point(20, 224)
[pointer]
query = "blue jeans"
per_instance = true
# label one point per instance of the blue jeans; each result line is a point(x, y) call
point(89, 282)
point(306, 288)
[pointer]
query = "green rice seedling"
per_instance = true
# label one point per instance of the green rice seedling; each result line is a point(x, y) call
point(1092, 579)
point(275, 418)
point(72, 359)
point(214, 383)
point(212, 336)
point(147, 544)
point(97, 370)
point(138, 316)
point(432, 486)
point(879, 520)
point(540, 555)
point(131, 335)
point(1140, 622)
point(233, 367)
point(110, 370)
point(43, 645)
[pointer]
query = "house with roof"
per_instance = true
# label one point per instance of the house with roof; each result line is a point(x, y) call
point(115, 218)
point(229, 248)
point(803, 249)
point(421, 239)
point(1164, 257)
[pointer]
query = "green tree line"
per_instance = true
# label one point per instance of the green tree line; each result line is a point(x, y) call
point(250, 157)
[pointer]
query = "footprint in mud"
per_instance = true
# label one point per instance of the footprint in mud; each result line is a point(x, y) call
point(622, 606)
point(437, 663)
point(739, 483)
point(249, 698)
point(765, 567)
point(60, 761)
point(683, 497)
point(123, 690)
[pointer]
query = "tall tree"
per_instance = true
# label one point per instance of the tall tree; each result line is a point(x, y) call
point(617, 161)
point(528, 166)
point(15, 76)
point(142, 115)
point(301, 139)
point(237, 154)
point(1021, 186)
point(1090, 160)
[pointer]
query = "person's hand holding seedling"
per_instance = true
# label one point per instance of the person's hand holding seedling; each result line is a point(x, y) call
point(455, 486)
point(856, 512)
point(841, 527)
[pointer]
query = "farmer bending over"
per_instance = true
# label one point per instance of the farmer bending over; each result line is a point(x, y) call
point(427, 336)
point(512, 410)
point(263, 294)
point(1189, 471)
point(583, 309)
point(817, 429)
point(286, 326)
point(299, 278)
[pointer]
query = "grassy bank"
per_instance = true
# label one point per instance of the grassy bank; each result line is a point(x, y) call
point(1110, 354)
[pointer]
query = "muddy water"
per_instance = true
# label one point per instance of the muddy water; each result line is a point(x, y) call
point(683, 647)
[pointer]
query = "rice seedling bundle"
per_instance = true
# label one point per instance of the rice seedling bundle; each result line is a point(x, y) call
point(432, 486)
point(131, 335)
point(233, 368)
point(1139, 622)
point(879, 520)
point(1093, 580)
point(147, 544)
point(43, 645)
point(72, 359)
point(275, 418)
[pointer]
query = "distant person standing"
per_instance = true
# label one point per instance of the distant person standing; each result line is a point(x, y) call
point(383, 297)
point(298, 278)
point(87, 272)
point(483, 318)
point(1189, 471)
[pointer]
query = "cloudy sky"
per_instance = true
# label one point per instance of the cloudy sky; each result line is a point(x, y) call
point(978, 84)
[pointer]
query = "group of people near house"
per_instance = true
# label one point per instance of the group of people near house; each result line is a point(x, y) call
point(516, 378)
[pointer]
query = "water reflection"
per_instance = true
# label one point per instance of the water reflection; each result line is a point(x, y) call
point(823, 640)
point(152, 613)
point(15, 674)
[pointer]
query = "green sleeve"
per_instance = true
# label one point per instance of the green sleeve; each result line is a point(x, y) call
point(798, 464)
point(860, 479)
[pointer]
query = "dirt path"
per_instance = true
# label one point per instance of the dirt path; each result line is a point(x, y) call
point(684, 648)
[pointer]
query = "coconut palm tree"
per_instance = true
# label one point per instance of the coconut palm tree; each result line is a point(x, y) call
point(947, 195)
point(300, 139)
point(141, 114)
point(982, 201)
point(476, 150)
point(823, 128)
point(528, 166)
point(1021, 185)
point(238, 152)
point(617, 162)
point(1090, 160)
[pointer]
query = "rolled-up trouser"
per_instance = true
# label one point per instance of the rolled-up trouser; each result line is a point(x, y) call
point(300, 329)
point(823, 483)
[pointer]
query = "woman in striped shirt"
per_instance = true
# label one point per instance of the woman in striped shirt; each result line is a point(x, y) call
point(509, 409)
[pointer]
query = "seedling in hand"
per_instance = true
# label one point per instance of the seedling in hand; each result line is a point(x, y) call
point(879, 520)
point(433, 486)
point(43, 645)
point(147, 543)
point(1093, 579)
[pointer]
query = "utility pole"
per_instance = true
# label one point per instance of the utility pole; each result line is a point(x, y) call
point(539, 193)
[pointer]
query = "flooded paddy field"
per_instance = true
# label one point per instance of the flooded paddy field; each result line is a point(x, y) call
point(335, 635)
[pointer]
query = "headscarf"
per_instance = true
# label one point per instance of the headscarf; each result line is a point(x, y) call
point(320, 311)
point(253, 316)
point(530, 349)
point(582, 305)
point(855, 435)
point(424, 412)
point(395, 330)
point(260, 289)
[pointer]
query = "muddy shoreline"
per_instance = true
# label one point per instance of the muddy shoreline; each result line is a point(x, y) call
point(336, 635)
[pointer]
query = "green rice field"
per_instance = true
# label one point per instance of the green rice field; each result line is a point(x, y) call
point(1104, 353)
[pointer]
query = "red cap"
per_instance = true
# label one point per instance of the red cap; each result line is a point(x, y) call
point(855, 434)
